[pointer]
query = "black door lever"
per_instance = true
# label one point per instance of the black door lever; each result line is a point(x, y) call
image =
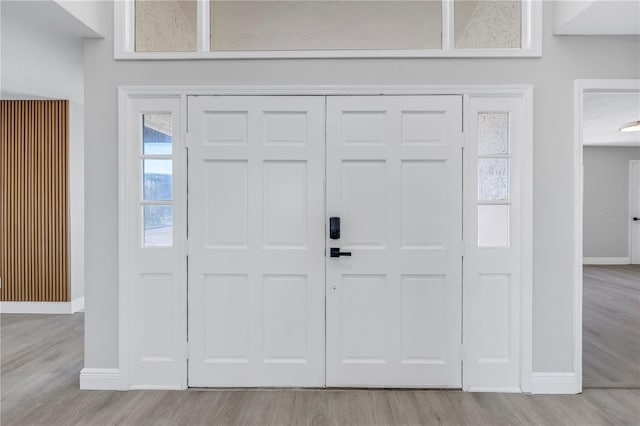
point(335, 252)
point(635, 219)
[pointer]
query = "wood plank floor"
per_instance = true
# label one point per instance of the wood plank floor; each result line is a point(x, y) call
point(611, 326)
point(43, 354)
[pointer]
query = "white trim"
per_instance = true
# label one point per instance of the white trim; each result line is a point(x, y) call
point(526, 254)
point(580, 87)
point(578, 196)
point(55, 308)
point(123, 27)
point(494, 390)
point(100, 379)
point(124, 40)
point(448, 25)
point(515, 90)
point(525, 92)
point(204, 16)
point(612, 144)
point(631, 212)
point(77, 304)
point(155, 387)
point(606, 261)
point(331, 54)
point(556, 383)
point(124, 112)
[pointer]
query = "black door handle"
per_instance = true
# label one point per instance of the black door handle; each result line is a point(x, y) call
point(335, 252)
point(635, 219)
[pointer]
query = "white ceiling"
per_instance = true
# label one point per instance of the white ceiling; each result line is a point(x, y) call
point(604, 17)
point(46, 15)
point(605, 113)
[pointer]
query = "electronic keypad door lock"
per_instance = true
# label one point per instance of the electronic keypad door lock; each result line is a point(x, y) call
point(334, 228)
point(335, 252)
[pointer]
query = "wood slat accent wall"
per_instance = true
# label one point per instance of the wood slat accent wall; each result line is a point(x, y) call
point(34, 217)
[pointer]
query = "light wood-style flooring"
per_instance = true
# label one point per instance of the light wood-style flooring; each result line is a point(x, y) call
point(42, 356)
point(611, 327)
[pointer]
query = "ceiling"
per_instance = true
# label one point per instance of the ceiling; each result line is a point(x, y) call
point(605, 113)
point(590, 17)
point(47, 15)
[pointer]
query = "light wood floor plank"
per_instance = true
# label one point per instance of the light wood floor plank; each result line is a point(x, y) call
point(43, 354)
point(611, 326)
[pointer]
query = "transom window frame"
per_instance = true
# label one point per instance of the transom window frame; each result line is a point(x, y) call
point(124, 40)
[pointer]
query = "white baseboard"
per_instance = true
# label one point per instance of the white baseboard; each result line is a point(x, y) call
point(77, 304)
point(493, 390)
point(42, 307)
point(555, 383)
point(100, 379)
point(156, 387)
point(606, 261)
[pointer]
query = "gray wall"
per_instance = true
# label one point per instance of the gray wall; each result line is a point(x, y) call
point(606, 200)
point(565, 59)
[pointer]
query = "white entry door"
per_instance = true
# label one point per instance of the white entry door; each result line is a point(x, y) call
point(634, 188)
point(394, 177)
point(257, 230)
point(256, 241)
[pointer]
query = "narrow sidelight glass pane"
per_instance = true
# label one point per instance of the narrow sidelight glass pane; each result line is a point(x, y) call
point(158, 225)
point(493, 226)
point(493, 179)
point(157, 178)
point(493, 133)
point(325, 25)
point(487, 24)
point(166, 25)
point(156, 134)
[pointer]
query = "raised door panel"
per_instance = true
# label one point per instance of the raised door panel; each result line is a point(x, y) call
point(226, 215)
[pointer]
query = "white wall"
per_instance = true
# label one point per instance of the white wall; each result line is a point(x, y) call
point(39, 62)
point(606, 200)
point(564, 60)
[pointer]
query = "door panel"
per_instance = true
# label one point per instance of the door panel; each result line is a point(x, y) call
point(256, 244)
point(394, 178)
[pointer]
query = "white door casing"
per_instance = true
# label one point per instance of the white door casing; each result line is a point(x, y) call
point(256, 244)
point(156, 318)
point(634, 210)
point(394, 177)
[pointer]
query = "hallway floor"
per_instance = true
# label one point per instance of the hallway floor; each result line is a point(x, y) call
point(611, 327)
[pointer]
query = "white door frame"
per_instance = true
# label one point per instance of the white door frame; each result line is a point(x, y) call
point(581, 87)
point(632, 246)
point(522, 92)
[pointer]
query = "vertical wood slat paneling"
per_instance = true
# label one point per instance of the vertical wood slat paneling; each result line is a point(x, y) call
point(34, 217)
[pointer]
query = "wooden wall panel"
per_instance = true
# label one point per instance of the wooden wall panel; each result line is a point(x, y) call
point(34, 216)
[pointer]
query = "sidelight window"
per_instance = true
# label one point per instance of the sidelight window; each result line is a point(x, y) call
point(493, 179)
point(157, 180)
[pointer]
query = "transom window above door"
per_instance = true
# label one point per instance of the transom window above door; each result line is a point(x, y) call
point(210, 29)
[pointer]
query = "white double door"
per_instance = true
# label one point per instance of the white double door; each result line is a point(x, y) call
point(267, 304)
